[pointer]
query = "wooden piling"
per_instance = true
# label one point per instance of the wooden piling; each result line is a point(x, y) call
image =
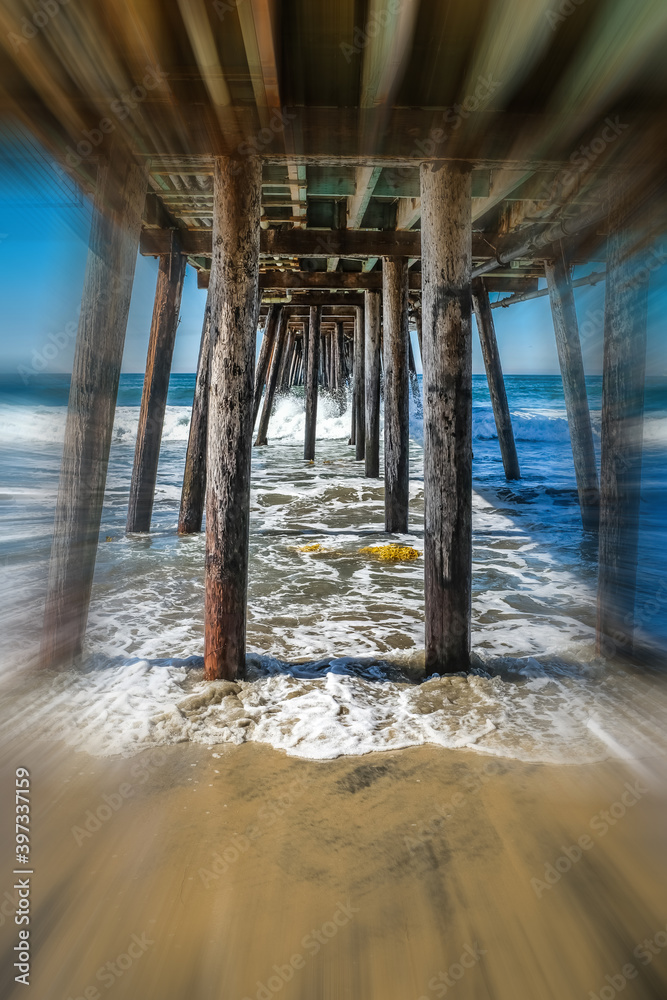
point(114, 240)
point(234, 313)
point(360, 402)
point(396, 393)
point(167, 306)
point(193, 493)
point(494, 376)
point(265, 351)
point(285, 362)
point(447, 385)
point(414, 380)
point(272, 380)
point(623, 377)
point(372, 392)
point(312, 382)
point(566, 328)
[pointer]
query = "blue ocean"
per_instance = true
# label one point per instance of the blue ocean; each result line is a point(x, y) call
point(323, 617)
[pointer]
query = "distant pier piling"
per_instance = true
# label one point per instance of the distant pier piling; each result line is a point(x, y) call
point(566, 328)
point(396, 393)
point(272, 380)
point(494, 377)
point(171, 272)
point(315, 318)
point(265, 351)
point(193, 493)
point(372, 392)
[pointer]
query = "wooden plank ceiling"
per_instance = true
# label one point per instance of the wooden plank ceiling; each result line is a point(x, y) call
point(342, 101)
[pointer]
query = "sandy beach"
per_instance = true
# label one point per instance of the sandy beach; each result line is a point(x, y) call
point(242, 873)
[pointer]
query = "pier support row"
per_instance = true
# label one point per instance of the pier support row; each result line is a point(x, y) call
point(447, 384)
point(234, 314)
point(110, 265)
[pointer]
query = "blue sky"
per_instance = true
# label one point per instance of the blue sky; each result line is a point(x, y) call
point(43, 233)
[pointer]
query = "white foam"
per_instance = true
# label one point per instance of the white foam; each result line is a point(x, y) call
point(533, 710)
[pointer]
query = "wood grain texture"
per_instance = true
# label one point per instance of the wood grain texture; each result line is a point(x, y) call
point(234, 314)
point(107, 287)
point(447, 385)
point(396, 394)
point(171, 273)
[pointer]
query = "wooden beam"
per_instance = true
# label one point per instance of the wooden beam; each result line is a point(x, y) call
point(265, 351)
point(193, 493)
point(366, 179)
point(566, 329)
point(156, 386)
point(447, 384)
point(494, 376)
point(623, 378)
point(114, 239)
point(396, 394)
point(312, 383)
point(359, 384)
point(372, 376)
point(272, 381)
point(234, 314)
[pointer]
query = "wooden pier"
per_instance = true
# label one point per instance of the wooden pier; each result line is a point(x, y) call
point(340, 186)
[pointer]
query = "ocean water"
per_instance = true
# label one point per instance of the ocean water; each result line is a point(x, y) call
point(335, 639)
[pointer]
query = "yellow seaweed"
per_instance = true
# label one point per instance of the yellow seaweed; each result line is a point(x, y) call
point(391, 552)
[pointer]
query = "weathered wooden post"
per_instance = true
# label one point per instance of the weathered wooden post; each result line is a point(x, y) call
point(372, 392)
point(494, 376)
point(561, 297)
point(156, 386)
point(624, 369)
point(193, 493)
point(264, 358)
point(341, 367)
point(414, 381)
point(396, 393)
point(234, 312)
point(285, 362)
point(447, 384)
point(272, 381)
point(359, 358)
point(418, 327)
point(114, 240)
point(311, 382)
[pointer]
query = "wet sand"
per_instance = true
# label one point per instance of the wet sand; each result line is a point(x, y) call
point(241, 873)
